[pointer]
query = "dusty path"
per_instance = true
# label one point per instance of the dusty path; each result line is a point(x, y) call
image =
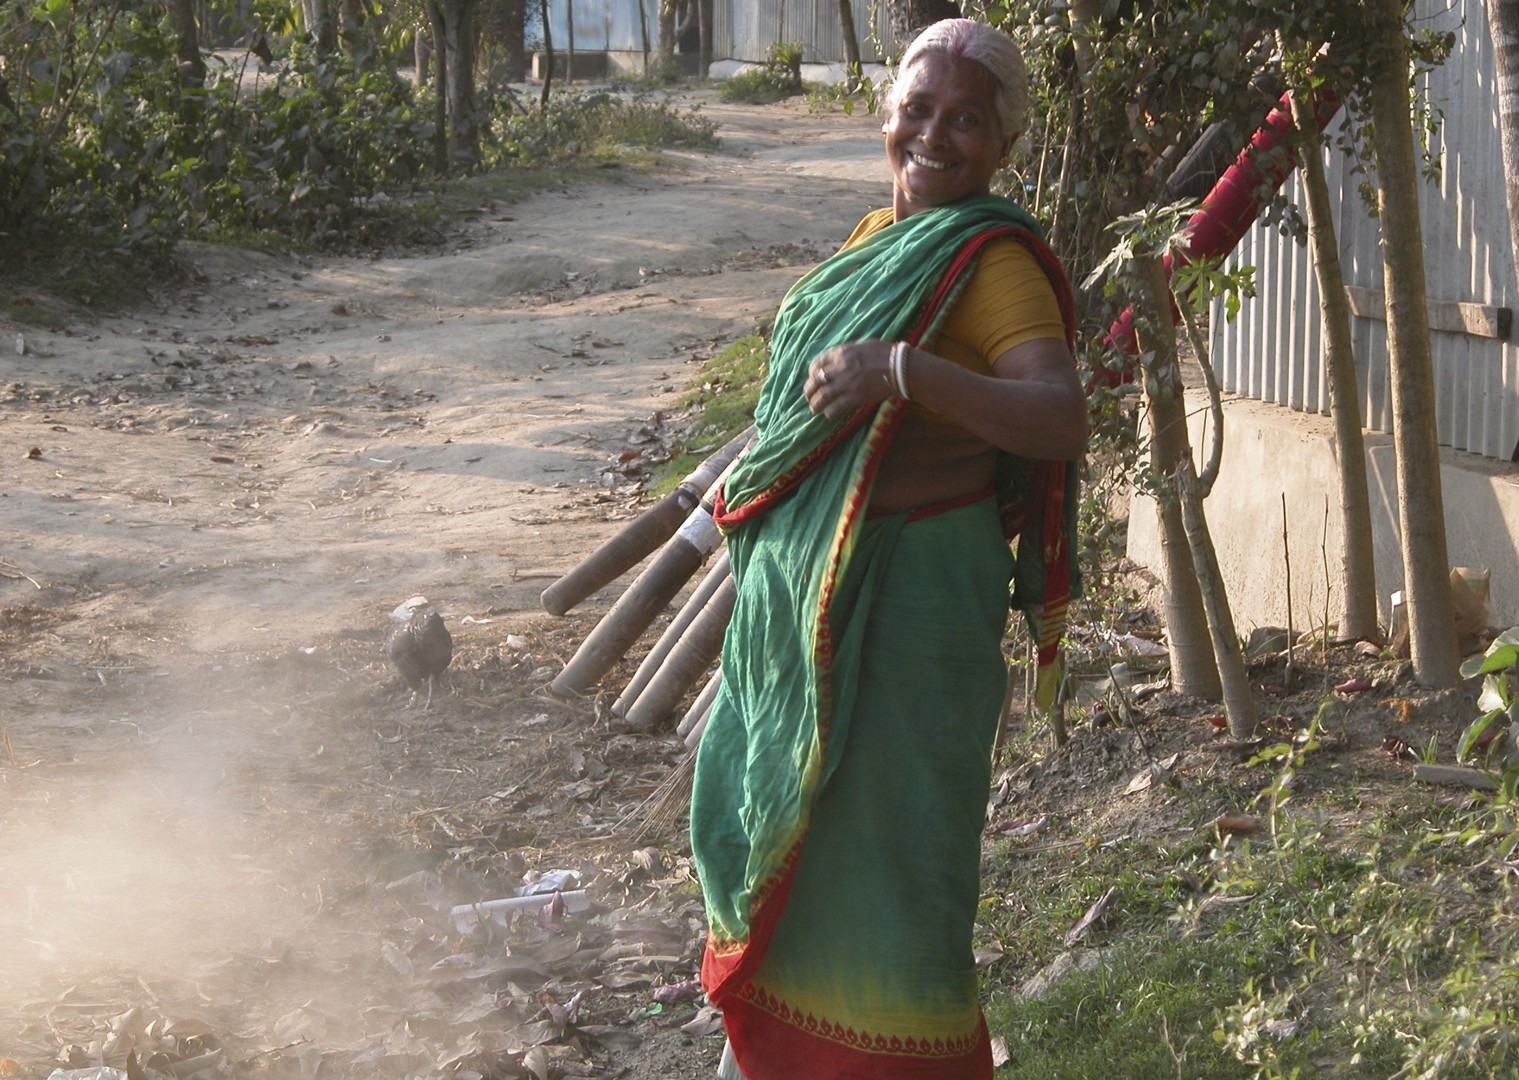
point(222, 832)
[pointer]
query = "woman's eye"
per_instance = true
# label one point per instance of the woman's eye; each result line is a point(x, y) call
point(966, 121)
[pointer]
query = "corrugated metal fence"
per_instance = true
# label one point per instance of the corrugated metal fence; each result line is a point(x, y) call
point(740, 30)
point(745, 31)
point(1272, 350)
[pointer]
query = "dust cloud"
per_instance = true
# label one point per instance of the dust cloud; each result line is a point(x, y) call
point(194, 875)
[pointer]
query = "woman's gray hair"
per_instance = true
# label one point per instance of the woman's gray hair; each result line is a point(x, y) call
point(966, 39)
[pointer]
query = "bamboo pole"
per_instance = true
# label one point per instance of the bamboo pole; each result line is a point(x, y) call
point(689, 659)
point(695, 721)
point(651, 663)
point(650, 592)
point(644, 534)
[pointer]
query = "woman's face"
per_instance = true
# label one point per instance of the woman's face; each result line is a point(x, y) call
point(943, 138)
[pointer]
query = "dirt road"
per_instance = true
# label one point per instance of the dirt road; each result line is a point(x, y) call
point(223, 832)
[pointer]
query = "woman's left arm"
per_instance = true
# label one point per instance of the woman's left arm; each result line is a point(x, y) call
point(1031, 405)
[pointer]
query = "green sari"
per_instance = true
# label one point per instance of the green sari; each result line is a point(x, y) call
point(843, 776)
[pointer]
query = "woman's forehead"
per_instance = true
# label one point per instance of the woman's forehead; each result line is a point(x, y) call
point(939, 73)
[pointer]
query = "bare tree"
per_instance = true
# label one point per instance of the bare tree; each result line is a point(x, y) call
point(1503, 25)
point(910, 16)
point(1358, 574)
point(454, 41)
point(1194, 670)
point(851, 43)
point(1421, 507)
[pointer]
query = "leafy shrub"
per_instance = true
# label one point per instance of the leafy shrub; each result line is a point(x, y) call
point(574, 123)
point(109, 136)
point(777, 79)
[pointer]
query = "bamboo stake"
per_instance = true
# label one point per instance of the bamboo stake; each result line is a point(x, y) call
point(695, 720)
point(650, 592)
point(644, 534)
point(656, 657)
point(690, 657)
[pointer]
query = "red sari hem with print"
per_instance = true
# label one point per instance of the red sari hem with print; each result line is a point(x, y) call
point(771, 1040)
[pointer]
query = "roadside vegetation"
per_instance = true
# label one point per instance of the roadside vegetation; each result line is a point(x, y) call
point(112, 153)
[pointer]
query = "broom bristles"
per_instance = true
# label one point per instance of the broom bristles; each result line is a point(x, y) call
point(661, 812)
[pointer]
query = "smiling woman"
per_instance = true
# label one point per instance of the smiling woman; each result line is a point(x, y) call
point(921, 410)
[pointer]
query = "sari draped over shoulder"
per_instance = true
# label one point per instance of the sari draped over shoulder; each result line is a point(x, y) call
point(841, 784)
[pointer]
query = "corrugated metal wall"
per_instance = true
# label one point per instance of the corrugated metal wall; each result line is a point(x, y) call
point(603, 25)
point(745, 31)
point(1272, 350)
point(741, 29)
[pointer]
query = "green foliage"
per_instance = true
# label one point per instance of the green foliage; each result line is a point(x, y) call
point(1494, 731)
point(109, 138)
point(722, 398)
point(777, 79)
point(848, 96)
point(584, 123)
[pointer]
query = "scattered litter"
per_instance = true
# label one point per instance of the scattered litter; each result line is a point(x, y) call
point(1000, 1054)
point(708, 1021)
point(468, 916)
point(1138, 646)
point(679, 992)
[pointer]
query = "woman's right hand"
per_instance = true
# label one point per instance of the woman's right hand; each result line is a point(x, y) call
point(849, 376)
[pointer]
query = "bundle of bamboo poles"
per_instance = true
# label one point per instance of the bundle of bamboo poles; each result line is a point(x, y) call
point(680, 526)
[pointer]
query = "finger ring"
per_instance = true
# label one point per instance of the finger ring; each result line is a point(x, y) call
point(822, 377)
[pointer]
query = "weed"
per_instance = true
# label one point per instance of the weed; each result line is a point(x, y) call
point(778, 78)
point(723, 396)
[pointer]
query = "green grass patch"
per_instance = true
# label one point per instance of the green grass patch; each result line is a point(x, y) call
point(1385, 948)
point(722, 396)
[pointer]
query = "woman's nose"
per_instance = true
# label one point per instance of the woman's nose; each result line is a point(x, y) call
point(935, 131)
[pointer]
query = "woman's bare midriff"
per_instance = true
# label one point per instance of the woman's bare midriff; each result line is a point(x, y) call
point(929, 462)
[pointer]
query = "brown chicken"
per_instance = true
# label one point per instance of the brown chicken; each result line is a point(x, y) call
point(420, 647)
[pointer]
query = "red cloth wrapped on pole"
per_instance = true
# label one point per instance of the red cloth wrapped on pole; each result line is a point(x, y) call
point(1231, 208)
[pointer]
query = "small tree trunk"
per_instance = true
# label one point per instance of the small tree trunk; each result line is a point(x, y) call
point(907, 17)
point(355, 16)
point(1358, 571)
point(1503, 26)
point(643, 30)
point(851, 44)
point(704, 15)
point(458, 43)
point(421, 52)
point(321, 24)
point(667, 35)
point(548, 55)
point(1083, 15)
point(440, 92)
point(1421, 507)
point(1193, 668)
point(569, 44)
point(192, 66)
point(1239, 702)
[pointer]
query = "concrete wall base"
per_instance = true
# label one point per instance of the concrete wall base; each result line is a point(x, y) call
point(1271, 453)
